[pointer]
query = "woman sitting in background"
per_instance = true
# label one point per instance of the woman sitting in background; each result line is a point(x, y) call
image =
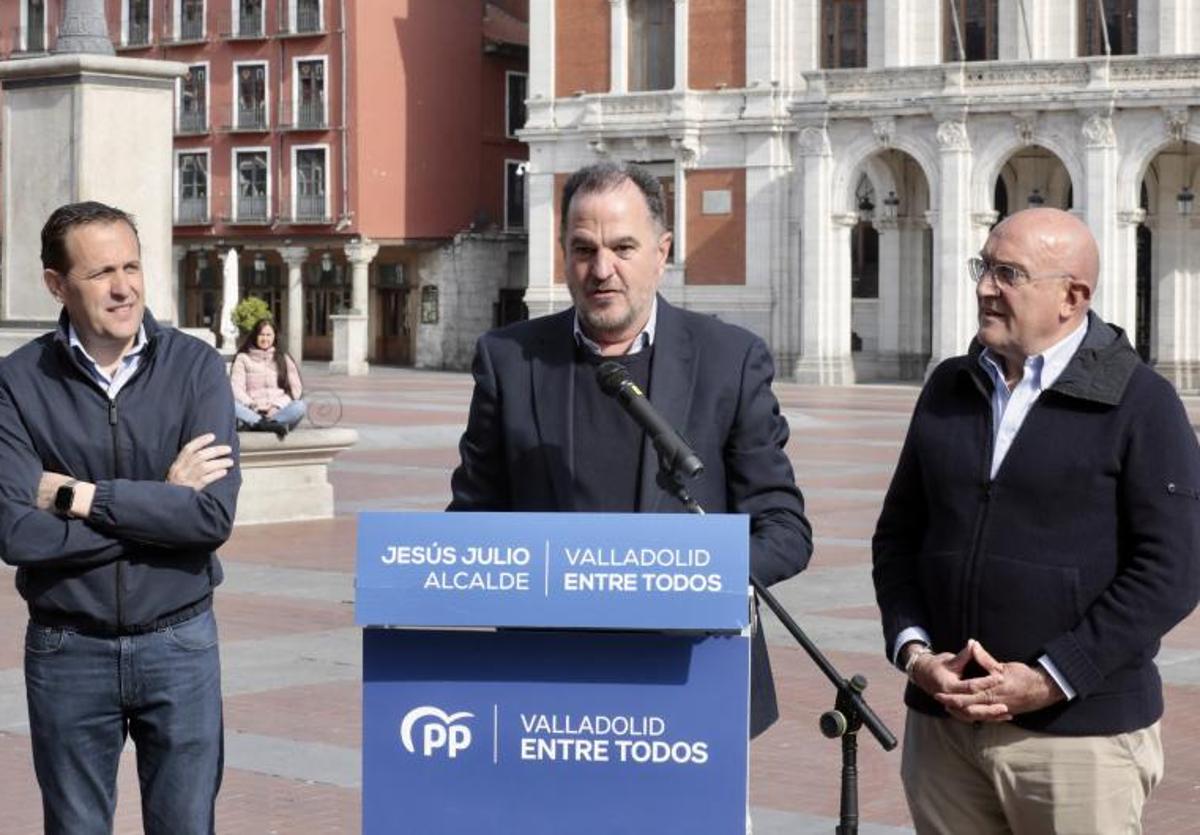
point(266, 384)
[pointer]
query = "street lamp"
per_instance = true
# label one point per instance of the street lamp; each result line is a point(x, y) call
point(1035, 198)
point(891, 205)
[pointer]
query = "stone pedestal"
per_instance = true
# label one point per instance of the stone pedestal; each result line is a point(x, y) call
point(288, 480)
point(349, 344)
point(61, 145)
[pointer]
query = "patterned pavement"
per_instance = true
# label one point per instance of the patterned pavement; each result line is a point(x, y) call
point(291, 655)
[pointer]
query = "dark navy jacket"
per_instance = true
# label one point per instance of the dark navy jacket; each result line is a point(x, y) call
point(709, 379)
point(1085, 546)
point(147, 549)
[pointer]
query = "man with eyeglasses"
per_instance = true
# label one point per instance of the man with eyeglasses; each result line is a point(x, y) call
point(118, 482)
point(1040, 535)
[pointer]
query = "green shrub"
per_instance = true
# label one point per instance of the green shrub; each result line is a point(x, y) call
point(248, 312)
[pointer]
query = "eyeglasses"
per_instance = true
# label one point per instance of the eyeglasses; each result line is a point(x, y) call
point(1005, 274)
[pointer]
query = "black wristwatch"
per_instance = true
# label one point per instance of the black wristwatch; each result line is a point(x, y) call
point(64, 497)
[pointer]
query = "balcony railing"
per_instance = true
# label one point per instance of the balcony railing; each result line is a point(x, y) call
point(307, 115)
point(253, 117)
point(252, 208)
point(244, 25)
point(191, 29)
point(193, 121)
point(310, 208)
point(139, 33)
point(250, 25)
point(308, 18)
point(193, 210)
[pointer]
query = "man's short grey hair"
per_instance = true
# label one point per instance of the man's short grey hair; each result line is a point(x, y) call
point(606, 176)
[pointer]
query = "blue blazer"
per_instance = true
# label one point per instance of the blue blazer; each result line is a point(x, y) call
point(709, 379)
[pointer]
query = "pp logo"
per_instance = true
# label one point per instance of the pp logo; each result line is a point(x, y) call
point(439, 731)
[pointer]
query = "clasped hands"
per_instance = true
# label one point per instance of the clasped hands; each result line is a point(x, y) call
point(1006, 689)
point(199, 463)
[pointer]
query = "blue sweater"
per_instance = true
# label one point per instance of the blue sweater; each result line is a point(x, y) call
point(1085, 546)
point(147, 549)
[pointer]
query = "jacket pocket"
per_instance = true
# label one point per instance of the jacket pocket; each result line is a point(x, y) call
point(1023, 604)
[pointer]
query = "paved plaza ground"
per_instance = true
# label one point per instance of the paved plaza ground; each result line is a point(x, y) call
point(291, 653)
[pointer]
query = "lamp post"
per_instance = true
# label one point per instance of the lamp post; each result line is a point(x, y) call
point(891, 205)
point(84, 29)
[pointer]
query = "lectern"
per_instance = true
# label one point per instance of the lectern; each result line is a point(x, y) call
point(551, 673)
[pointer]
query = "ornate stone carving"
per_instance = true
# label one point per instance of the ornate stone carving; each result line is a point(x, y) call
point(1176, 119)
point(1132, 217)
point(1098, 131)
point(847, 219)
point(985, 220)
point(885, 129)
point(687, 150)
point(598, 146)
point(641, 149)
point(814, 142)
point(1025, 125)
point(952, 136)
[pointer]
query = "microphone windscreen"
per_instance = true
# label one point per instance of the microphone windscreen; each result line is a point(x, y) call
point(611, 375)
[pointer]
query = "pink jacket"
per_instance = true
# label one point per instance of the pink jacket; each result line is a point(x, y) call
point(255, 380)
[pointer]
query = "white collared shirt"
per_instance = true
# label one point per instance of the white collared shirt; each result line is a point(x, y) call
point(127, 365)
point(643, 340)
point(1010, 408)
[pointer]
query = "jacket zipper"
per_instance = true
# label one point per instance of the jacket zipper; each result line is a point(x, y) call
point(969, 583)
point(113, 428)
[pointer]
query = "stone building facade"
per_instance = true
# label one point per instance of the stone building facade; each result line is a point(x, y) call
point(832, 164)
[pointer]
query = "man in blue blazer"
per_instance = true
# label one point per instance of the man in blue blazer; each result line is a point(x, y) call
point(542, 436)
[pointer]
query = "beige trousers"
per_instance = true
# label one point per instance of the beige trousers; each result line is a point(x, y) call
point(983, 778)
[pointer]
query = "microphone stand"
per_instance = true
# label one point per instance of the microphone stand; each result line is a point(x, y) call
point(850, 711)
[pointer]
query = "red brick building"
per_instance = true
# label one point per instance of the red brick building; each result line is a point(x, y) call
point(314, 136)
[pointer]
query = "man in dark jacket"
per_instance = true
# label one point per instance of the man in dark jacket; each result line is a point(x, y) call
point(1040, 535)
point(117, 483)
point(542, 436)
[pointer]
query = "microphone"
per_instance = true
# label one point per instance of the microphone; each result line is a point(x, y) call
point(673, 452)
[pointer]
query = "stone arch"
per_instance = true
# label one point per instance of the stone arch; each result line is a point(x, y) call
point(1147, 144)
point(996, 151)
point(858, 155)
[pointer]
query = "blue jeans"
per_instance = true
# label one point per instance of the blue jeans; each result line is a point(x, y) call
point(290, 415)
point(87, 693)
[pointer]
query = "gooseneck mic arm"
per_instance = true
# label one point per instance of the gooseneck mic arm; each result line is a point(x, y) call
point(673, 452)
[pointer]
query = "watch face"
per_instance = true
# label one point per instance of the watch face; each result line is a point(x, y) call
point(64, 497)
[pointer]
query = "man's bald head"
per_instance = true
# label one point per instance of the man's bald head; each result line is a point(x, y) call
point(1058, 264)
point(1055, 241)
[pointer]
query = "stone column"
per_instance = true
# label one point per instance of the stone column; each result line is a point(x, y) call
point(1116, 296)
point(953, 244)
point(1175, 336)
point(360, 254)
point(891, 278)
point(294, 257)
point(824, 344)
point(913, 312)
point(351, 331)
point(618, 47)
point(544, 293)
point(681, 45)
point(541, 49)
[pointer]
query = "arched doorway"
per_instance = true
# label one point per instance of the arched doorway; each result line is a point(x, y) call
point(891, 256)
point(1168, 266)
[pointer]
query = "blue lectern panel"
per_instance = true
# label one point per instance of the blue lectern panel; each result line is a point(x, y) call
point(545, 733)
point(618, 570)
